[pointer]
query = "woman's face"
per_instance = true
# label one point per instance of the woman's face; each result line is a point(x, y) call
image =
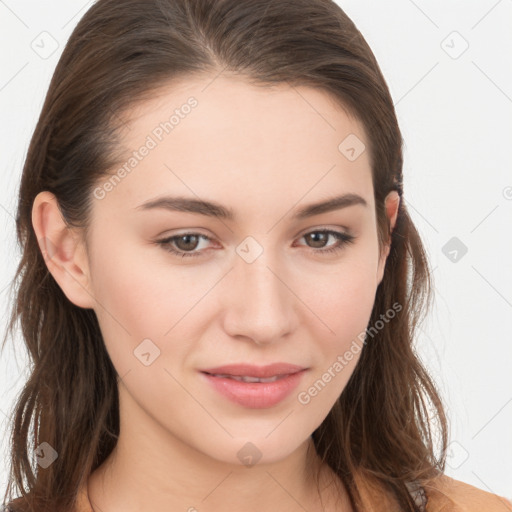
point(259, 286)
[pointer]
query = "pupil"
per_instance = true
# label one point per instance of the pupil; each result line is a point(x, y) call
point(320, 237)
point(187, 240)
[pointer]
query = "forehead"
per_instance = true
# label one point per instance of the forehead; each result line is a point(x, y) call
point(223, 137)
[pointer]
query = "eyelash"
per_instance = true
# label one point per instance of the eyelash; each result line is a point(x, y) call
point(343, 239)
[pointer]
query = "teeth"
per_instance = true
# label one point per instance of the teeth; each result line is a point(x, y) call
point(250, 379)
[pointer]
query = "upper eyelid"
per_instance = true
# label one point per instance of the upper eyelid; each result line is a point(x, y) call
point(338, 229)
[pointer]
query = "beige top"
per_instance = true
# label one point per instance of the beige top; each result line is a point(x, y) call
point(445, 494)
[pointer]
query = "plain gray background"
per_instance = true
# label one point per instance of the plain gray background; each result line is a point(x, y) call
point(448, 66)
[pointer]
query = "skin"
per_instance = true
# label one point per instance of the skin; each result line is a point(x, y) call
point(264, 153)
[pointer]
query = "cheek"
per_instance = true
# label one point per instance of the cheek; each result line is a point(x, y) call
point(344, 299)
point(127, 304)
point(140, 297)
point(122, 288)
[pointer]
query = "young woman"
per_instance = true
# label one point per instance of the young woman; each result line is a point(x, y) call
point(220, 282)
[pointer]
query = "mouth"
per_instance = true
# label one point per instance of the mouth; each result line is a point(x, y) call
point(255, 387)
point(248, 378)
point(249, 370)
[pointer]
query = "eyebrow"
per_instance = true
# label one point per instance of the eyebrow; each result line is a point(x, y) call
point(213, 209)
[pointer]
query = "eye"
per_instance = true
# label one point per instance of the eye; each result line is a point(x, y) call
point(319, 237)
point(186, 244)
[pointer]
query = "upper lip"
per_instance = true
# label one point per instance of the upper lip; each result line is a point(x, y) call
point(249, 370)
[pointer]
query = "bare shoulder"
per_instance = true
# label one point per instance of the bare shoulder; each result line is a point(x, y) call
point(446, 494)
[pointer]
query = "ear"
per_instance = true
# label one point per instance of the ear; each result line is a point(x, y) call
point(392, 202)
point(62, 249)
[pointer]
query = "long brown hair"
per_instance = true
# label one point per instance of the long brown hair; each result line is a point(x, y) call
point(119, 53)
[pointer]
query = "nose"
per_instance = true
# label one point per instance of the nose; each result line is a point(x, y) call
point(260, 305)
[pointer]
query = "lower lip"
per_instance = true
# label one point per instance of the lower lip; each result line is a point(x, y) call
point(255, 395)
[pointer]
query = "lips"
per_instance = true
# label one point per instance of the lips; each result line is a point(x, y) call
point(255, 387)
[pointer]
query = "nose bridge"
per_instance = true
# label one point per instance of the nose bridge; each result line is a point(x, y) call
point(260, 304)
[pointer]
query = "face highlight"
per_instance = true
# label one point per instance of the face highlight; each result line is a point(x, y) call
point(241, 234)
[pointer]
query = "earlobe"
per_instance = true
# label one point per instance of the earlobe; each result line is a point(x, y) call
point(62, 250)
point(392, 203)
